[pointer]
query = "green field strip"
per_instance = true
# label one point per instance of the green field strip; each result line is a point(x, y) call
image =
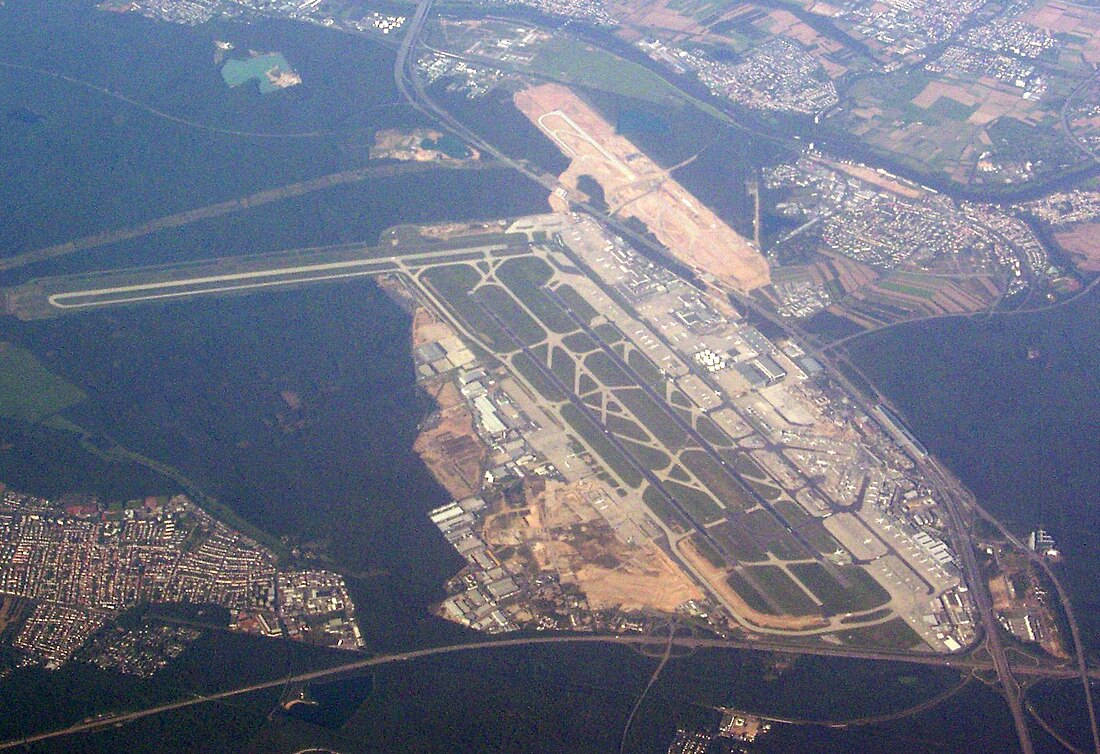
point(861, 592)
point(563, 367)
point(601, 445)
point(579, 343)
point(653, 417)
point(606, 371)
point(524, 277)
point(712, 476)
point(699, 505)
point(453, 283)
point(651, 458)
point(526, 367)
point(497, 300)
point(788, 596)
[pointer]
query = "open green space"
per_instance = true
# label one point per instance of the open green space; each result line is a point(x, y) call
point(783, 591)
point(627, 428)
point(645, 410)
point(749, 593)
point(861, 592)
point(563, 366)
point(579, 343)
point(679, 473)
point(712, 433)
point(715, 479)
point(536, 377)
point(699, 504)
point(818, 537)
point(606, 370)
point(576, 303)
point(595, 438)
point(453, 284)
point(646, 369)
point(745, 465)
point(792, 513)
point(651, 458)
point(738, 542)
point(679, 399)
point(496, 299)
point(586, 384)
point(608, 333)
point(706, 549)
point(893, 634)
point(767, 491)
point(787, 548)
point(576, 62)
point(29, 391)
point(950, 109)
point(908, 290)
point(664, 510)
point(524, 277)
point(770, 533)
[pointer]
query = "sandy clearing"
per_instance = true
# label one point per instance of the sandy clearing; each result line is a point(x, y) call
point(640, 188)
point(450, 446)
point(660, 586)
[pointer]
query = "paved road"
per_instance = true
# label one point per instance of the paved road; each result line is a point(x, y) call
point(924, 658)
point(953, 497)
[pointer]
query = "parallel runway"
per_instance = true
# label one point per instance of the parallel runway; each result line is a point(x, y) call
point(51, 297)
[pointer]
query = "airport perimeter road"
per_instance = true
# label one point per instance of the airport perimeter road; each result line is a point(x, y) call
point(923, 658)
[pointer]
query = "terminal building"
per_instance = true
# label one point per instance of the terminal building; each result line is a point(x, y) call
point(761, 372)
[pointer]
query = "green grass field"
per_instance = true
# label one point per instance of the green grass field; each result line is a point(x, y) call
point(496, 299)
point(647, 370)
point(712, 433)
point(563, 366)
point(699, 504)
point(29, 391)
point(606, 371)
point(579, 343)
point(599, 443)
point(645, 410)
point(748, 593)
point(861, 592)
point(453, 284)
point(576, 62)
point(576, 303)
point(663, 509)
point(529, 371)
point(893, 634)
point(781, 588)
point(715, 479)
point(627, 428)
point(524, 277)
point(651, 458)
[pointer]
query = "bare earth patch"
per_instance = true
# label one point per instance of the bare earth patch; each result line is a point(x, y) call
point(635, 186)
point(1082, 243)
point(566, 535)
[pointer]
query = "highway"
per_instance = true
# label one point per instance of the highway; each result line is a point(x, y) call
point(121, 718)
point(952, 496)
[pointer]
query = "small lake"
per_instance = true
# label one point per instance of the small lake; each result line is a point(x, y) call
point(256, 68)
